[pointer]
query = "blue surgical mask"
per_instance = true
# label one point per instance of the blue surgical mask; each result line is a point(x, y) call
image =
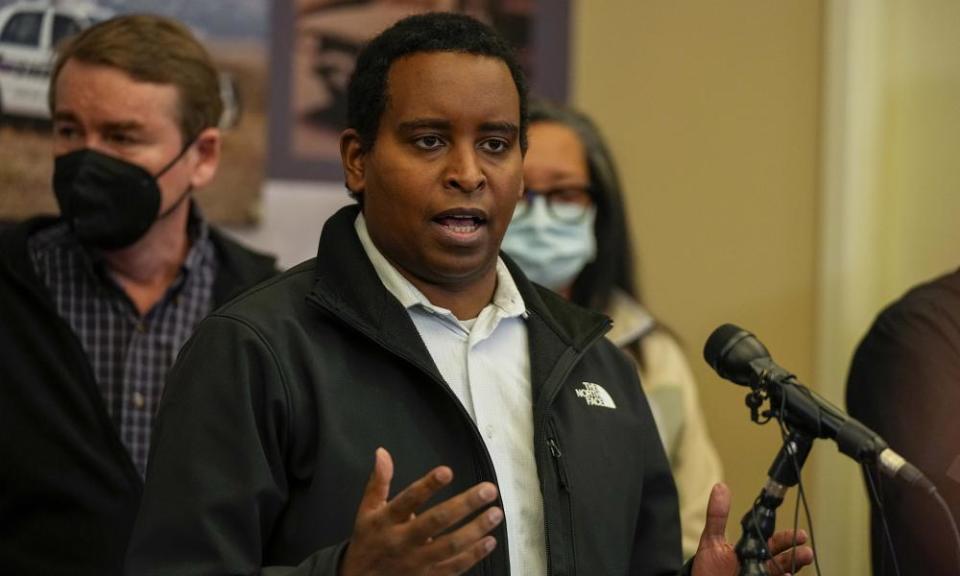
point(549, 251)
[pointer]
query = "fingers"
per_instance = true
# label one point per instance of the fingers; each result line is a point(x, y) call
point(395, 537)
point(378, 486)
point(446, 514)
point(785, 556)
point(421, 527)
point(790, 559)
point(467, 559)
point(718, 509)
point(406, 503)
point(783, 540)
point(467, 545)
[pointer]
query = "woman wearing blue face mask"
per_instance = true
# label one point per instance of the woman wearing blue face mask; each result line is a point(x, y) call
point(569, 233)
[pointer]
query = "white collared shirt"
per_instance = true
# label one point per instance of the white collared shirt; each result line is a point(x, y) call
point(486, 363)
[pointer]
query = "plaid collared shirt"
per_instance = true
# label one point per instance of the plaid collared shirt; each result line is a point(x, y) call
point(130, 354)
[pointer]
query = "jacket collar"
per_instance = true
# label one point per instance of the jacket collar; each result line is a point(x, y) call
point(14, 252)
point(238, 268)
point(347, 285)
point(506, 297)
point(558, 331)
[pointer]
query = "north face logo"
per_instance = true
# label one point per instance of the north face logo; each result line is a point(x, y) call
point(595, 395)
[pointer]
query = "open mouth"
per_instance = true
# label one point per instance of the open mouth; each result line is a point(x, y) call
point(461, 221)
point(460, 224)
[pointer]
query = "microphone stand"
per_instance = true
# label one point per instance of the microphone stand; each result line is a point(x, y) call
point(759, 522)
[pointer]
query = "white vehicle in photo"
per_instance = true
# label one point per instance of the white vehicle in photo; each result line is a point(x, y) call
point(30, 31)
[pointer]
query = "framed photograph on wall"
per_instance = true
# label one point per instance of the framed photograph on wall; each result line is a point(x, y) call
point(234, 31)
point(315, 43)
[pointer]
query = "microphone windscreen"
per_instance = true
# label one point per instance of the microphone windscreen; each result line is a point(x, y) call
point(729, 351)
point(716, 344)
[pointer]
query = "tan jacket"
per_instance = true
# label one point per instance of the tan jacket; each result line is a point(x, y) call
point(672, 391)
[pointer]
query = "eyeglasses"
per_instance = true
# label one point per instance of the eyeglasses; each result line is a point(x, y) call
point(568, 204)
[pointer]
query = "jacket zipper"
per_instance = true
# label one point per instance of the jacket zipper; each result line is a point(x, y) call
point(561, 468)
point(553, 446)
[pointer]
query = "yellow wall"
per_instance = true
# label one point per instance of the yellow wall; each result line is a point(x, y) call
point(712, 110)
point(921, 142)
point(791, 167)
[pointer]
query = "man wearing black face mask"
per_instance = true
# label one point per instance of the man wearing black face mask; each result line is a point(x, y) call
point(107, 202)
point(96, 304)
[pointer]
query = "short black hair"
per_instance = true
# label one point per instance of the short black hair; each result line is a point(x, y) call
point(431, 32)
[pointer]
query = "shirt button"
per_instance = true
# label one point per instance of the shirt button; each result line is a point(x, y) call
point(141, 327)
point(138, 400)
point(490, 431)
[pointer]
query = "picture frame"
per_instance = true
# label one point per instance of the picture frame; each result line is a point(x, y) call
point(233, 31)
point(314, 44)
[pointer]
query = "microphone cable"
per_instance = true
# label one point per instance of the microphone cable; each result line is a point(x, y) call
point(952, 521)
point(877, 497)
point(801, 497)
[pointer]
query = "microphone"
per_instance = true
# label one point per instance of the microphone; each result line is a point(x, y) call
point(736, 355)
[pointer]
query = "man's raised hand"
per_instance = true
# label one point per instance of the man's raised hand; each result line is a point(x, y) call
point(391, 538)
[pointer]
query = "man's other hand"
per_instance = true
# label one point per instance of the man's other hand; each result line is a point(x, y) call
point(716, 557)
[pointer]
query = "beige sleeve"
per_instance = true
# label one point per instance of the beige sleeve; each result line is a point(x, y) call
point(669, 383)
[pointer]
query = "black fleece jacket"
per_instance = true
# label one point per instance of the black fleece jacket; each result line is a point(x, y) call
point(69, 491)
point(269, 423)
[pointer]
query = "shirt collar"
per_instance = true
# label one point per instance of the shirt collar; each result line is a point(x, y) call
point(60, 237)
point(506, 297)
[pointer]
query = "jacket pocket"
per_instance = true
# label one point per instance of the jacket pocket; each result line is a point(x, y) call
point(558, 512)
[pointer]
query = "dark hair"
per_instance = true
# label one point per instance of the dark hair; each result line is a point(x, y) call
point(432, 32)
point(613, 266)
point(154, 49)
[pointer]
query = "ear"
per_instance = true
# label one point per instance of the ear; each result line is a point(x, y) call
point(207, 153)
point(353, 158)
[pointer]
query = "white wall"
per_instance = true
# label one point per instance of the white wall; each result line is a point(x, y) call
point(292, 215)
